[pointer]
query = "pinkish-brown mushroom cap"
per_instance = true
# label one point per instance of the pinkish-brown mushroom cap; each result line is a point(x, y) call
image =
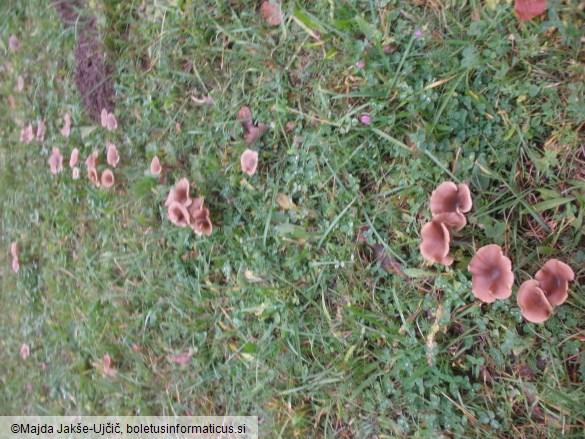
point(435, 243)
point(93, 176)
point(448, 197)
point(14, 43)
point(201, 223)
point(56, 161)
point(112, 156)
point(14, 249)
point(26, 133)
point(74, 159)
point(492, 276)
point(453, 220)
point(180, 194)
point(249, 161)
point(107, 179)
point(553, 279)
point(91, 161)
point(271, 12)
point(178, 214)
point(533, 302)
point(155, 167)
point(66, 130)
point(196, 206)
point(75, 173)
point(111, 122)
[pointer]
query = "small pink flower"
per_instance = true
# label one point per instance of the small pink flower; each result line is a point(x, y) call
point(25, 351)
point(249, 161)
point(74, 159)
point(56, 161)
point(108, 178)
point(155, 167)
point(365, 119)
point(41, 130)
point(418, 33)
point(112, 155)
point(19, 84)
point(26, 133)
point(66, 130)
point(75, 173)
point(13, 43)
point(360, 64)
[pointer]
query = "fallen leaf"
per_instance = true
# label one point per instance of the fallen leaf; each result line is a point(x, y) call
point(529, 9)
point(285, 202)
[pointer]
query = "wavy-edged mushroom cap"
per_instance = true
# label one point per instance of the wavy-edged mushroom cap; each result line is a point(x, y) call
point(533, 303)
point(92, 174)
point(75, 173)
point(179, 194)
point(155, 167)
point(91, 161)
point(196, 206)
point(74, 159)
point(14, 43)
point(111, 122)
point(56, 161)
point(108, 179)
point(254, 133)
point(14, 249)
point(245, 118)
point(178, 214)
point(554, 279)
point(435, 243)
point(112, 156)
point(270, 13)
point(26, 133)
point(201, 223)
point(491, 274)
point(249, 161)
point(448, 197)
point(453, 220)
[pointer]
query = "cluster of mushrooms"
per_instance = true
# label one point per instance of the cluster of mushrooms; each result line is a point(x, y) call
point(491, 271)
point(184, 211)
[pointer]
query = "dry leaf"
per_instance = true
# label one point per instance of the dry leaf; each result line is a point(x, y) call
point(285, 202)
point(529, 9)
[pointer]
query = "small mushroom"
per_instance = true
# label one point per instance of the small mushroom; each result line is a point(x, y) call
point(196, 206)
point(180, 194)
point(450, 198)
point(75, 173)
point(25, 351)
point(553, 279)
point(492, 276)
point(74, 159)
point(201, 223)
point(435, 243)
point(14, 43)
point(26, 133)
point(108, 120)
point(112, 156)
point(178, 214)
point(56, 161)
point(249, 161)
point(251, 132)
point(533, 302)
point(107, 179)
point(91, 161)
point(66, 130)
point(271, 12)
point(14, 249)
point(155, 167)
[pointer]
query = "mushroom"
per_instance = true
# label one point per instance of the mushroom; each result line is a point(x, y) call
point(155, 167)
point(251, 132)
point(201, 223)
point(492, 276)
point(14, 253)
point(271, 12)
point(196, 206)
point(25, 350)
point(107, 179)
point(553, 279)
point(92, 174)
point(178, 214)
point(74, 159)
point(15, 265)
point(91, 161)
point(75, 173)
point(450, 198)
point(41, 130)
point(66, 130)
point(180, 194)
point(249, 161)
point(13, 43)
point(56, 161)
point(108, 120)
point(533, 302)
point(435, 243)
point(112, 155)
point(26, 133)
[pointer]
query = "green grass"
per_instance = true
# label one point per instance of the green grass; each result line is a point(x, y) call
point(287, 316)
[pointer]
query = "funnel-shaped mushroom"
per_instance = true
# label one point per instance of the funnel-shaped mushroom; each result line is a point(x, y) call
point(14, 43)
point(435, 243)
point(201, 223)
point(249, 161)
point(155, 167)
point(271, 12)
point(196, 206)
point(91, 161)
point(533, 302)
point(554, 279)
point(26, 133)
point(14, 249)
point(450, 198)
point(492, 276)
point(92, 174)
point(108, 179)
point(112, 155)
point(108, 120)
point(179, 194)
point(178, 214)
point(56, 161)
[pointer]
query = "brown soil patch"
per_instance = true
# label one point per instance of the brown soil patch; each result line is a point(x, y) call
point(93, 77)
